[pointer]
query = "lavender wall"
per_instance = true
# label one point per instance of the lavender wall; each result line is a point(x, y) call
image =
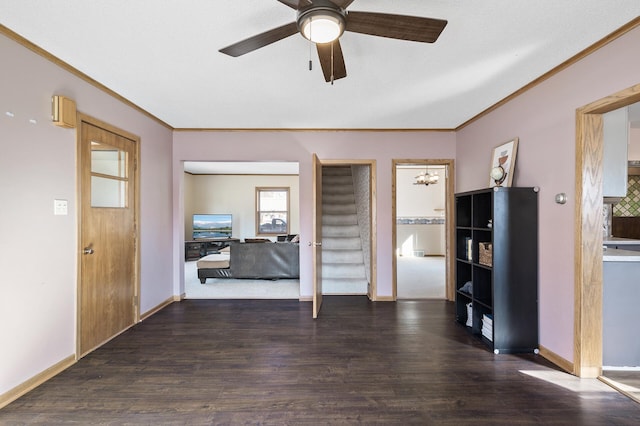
point(544, 120)
point(299, 146)
point(38, 251)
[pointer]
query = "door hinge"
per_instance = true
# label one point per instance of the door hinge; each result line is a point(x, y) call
point(135, 300)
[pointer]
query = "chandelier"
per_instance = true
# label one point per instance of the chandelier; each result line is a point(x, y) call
point(426, 178)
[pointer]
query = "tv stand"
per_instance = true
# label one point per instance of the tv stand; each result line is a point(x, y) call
point(196, 249)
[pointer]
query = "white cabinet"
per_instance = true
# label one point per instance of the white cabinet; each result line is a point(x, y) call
point(620, 295)
point(616, 141)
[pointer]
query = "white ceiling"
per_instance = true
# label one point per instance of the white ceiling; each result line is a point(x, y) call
point(240, 168)
point(163, 56)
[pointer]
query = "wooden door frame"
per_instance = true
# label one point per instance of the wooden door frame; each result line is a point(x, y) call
point(449, 219)
point(587, 338)
point(83, 118)
point(316, 239)
point(373, 265)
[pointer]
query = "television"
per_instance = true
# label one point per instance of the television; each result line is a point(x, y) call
point(212, 226)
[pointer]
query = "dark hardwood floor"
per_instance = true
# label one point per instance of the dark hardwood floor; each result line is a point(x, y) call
point(201, 362)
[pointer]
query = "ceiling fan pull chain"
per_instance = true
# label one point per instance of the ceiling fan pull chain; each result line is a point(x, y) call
point(310, 53)
point(332, 63)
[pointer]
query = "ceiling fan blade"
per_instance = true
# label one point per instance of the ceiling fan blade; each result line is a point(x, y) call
point(296, 4)
point(413, 28)
point(338, 69)
point(260, 40)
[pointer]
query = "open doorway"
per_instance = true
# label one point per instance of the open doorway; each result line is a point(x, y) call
point(344, 241)
point(421, 196)
point(228, 192)
point(589, 225)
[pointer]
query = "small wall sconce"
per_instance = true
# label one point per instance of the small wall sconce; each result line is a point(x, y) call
point(63, 112)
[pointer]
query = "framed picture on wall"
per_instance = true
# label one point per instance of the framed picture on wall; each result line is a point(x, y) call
point(503, 163)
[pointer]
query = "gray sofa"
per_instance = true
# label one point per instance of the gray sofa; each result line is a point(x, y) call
point(269, 261)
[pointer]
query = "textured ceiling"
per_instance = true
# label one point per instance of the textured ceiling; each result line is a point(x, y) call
point(162, 55)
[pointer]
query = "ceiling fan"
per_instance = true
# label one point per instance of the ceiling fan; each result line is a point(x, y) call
point(324, 21)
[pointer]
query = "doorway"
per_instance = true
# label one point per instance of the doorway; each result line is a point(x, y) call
point(108, 288)
point(228, 188)
point(421, 229)
point(344, 237)
point(589, 224)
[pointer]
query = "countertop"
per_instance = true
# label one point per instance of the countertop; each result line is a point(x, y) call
point(617, 255)
point(620, 241)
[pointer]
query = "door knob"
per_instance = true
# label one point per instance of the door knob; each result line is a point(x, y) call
point(87, 250)
point(314, 244)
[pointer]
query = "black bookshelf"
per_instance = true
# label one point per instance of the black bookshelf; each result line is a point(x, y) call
point(505, 288)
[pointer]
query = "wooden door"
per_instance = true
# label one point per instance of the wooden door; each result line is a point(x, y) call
point(316, 244)
point(108, 274)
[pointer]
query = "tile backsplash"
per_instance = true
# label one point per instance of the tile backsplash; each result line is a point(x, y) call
point(630, 205)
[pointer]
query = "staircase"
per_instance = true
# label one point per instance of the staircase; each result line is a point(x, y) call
point(343, 270)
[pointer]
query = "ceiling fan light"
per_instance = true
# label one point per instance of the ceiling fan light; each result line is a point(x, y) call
point(322, 27)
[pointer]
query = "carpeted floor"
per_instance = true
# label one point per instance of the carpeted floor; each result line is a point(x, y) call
point(418, 278)
point(224, 288)
point(421, 277)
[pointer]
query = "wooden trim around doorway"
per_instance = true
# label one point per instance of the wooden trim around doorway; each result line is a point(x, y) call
point(373, 196)
point(588, 231)
point(449, 219)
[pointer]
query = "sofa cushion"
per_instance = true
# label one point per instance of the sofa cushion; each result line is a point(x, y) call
point(219, 260)
point(267, 261)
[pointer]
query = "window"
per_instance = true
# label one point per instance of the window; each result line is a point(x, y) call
point(272, 211)
point(109, 178)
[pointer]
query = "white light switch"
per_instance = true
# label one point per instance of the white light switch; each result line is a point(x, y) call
point(60, 207)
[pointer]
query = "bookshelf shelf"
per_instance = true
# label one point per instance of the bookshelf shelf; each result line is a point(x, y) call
point(504, 292)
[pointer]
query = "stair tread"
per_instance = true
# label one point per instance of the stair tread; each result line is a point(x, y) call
point(349, 209)
point(345, 265)
point(336, 171)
